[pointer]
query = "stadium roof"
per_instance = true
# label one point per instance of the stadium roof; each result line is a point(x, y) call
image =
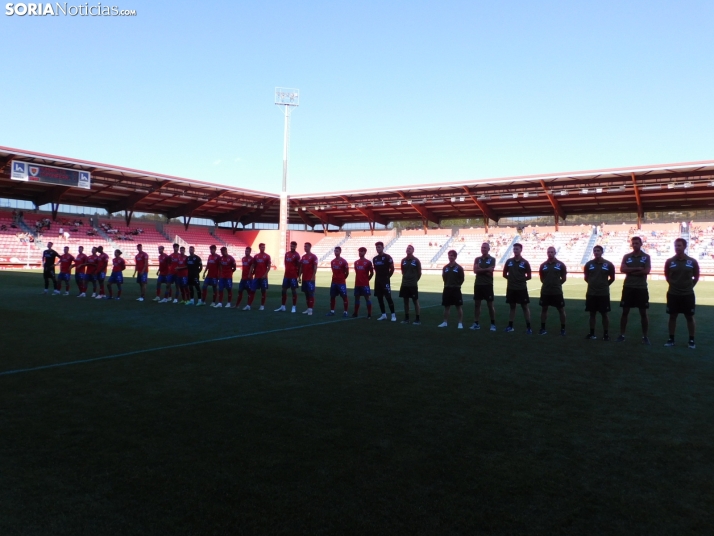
point(683, 186)
point(118, 189)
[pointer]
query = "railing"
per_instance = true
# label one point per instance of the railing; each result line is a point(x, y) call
point(509, 249)
point(446, 245)
point(331, 252)
point(589, 248)
point(180, 241)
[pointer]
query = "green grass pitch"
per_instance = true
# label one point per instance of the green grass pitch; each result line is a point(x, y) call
point(205, 421)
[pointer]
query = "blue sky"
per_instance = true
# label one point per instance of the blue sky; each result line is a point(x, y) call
point(392, 93)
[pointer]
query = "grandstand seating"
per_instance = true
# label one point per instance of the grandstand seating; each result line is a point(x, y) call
point(77, 233)
point(468, 244)
point(123, 239)
point(657, 240)
point(199, 236)
point(365, 239)
point(426, 246)
point(324, 247)
point(234, 242)
point(12, 248)
point(701, 245)
point(570, 243)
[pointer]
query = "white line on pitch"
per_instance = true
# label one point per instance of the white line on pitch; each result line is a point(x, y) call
point(172, 346)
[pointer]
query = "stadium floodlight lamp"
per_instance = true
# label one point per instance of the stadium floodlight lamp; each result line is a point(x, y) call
point(584, 191)
point(563, 192)
point(652, 187)
point(462, 199)
point(506, 196)
point(484, 197)
point(304, 209)
point(687, 185)
point(598, 190)
point(616, 190)
point(671, 185)
point(287, 96)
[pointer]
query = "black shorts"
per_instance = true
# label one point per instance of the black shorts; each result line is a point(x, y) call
point(681, 304)
point(409, 292)
point(517, 297)
point(49, 273)
point(451, 296)
point(382, 288)
point(635, 298)
point(597, 304)
point(483, 292)
point(552, 300)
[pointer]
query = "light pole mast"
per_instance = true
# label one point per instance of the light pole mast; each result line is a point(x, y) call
point(289, 99)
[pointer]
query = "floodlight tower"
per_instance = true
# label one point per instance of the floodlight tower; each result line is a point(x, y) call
point(287, 98)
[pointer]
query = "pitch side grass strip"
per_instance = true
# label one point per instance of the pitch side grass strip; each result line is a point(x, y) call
point(182, 345)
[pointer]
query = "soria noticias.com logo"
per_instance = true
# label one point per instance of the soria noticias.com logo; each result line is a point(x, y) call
point(64, 9)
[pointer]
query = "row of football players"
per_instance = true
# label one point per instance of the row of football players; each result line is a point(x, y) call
point(179, 275)
point(182, 272)
point(681, 273)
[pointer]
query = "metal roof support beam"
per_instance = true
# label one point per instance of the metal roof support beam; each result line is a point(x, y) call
point(425, 213)
point(127, 216)
point(186, 222)
point(325, 219)
point(52, 195)
point(559, 212)
point(304, 218)
point(236, 215)
point(188, 208)
point(253, 216)
point(129, 202)
point(640, 210)
point(368, 213)
point(487, 211)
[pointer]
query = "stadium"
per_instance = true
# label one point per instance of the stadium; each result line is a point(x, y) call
point(130, 417)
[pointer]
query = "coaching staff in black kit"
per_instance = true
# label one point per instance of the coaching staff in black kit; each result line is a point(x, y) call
point(48, 268)
point(383, 270)
point(195, 265)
